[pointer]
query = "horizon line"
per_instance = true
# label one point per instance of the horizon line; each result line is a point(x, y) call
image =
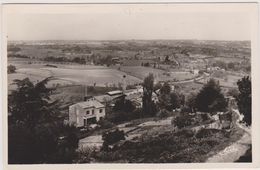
point(194, 39)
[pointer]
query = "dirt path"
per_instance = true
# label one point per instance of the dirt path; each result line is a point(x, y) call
point(235, 150)
point(232, 152)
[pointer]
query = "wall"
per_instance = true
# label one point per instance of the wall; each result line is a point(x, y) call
point(82, 114)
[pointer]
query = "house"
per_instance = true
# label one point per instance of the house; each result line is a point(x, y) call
point(136, 99)
point(87, 112)
point(110, 98)
point(195, 71)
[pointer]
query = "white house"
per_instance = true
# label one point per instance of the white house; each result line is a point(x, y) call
point(87, 112)
point(195, 71)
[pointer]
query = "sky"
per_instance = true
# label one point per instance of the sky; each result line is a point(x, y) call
point(124, 22)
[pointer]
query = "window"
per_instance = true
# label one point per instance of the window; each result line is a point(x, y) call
point(100, 110)
point(87, 112)
point(92, 111)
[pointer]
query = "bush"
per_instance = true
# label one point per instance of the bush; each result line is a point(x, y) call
point(105, 124)
point(11, 69)
point(112, 137)
point(121, 116)
point(206, 133)
point(182, 120)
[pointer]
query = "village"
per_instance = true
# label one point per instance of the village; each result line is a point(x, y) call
point(120, 98)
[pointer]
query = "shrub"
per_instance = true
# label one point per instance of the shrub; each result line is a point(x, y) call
point(11, 69)
point(182, 121)
point(112, 137)
point(206, 132)
point(105, 124)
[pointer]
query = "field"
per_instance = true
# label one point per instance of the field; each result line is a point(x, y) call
point(72, 74)
point(160, 75)
point(225, 79)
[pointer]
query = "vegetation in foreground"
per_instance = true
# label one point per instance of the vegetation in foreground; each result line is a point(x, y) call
point(36, 133)
point(184, 146)
point(35, 123)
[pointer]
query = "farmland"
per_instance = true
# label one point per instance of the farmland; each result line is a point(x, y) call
point(83, 70)
point(68, 74)
point(91, 63)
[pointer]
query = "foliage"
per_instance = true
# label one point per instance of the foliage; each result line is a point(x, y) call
point(112, 137)
point(17, 56)
point(244, 99)
point(179, 147)
point(183, 120)
point(64, 59)
point(177, 100)
point(11, 69)
point(79, 60)
point(34, 121)
point(148, 105)
point(124, 105)
point(105, 124)
point(170, 100)
point(210, 98)
point(191, 102)
point(13, 48)
point(165, 89)
point(186, 119)
point(166, 59)
point(121, 116)
point(231, 65)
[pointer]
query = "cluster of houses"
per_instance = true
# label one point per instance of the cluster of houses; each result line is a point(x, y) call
point(93, 108)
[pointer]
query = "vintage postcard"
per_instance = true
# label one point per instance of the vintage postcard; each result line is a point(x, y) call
point(130, 85)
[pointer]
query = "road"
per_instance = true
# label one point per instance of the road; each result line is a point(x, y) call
point(235, 150)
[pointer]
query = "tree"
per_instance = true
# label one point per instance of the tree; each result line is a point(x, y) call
point(124, 105)
point(166, 59)
point(164, 97)
point(191, 102)
point(147, 95)
point(231, 65)
point(244, 99)
point(210, 99)
point(176, 100)
point(35, 122)
point(112, 137)
point(165, 89)
point(31, 103)
point(11, 69)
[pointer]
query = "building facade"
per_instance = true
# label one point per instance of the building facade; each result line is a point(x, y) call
point(86, 113)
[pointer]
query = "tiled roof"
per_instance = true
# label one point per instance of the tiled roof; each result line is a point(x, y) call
point(90, 103)
point(107, 98)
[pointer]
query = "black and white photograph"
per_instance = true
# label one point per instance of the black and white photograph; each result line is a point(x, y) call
point(129, 83)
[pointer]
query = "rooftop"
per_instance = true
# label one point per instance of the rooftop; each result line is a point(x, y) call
point(107, 98)
point(116, 92)
point(90, 103)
